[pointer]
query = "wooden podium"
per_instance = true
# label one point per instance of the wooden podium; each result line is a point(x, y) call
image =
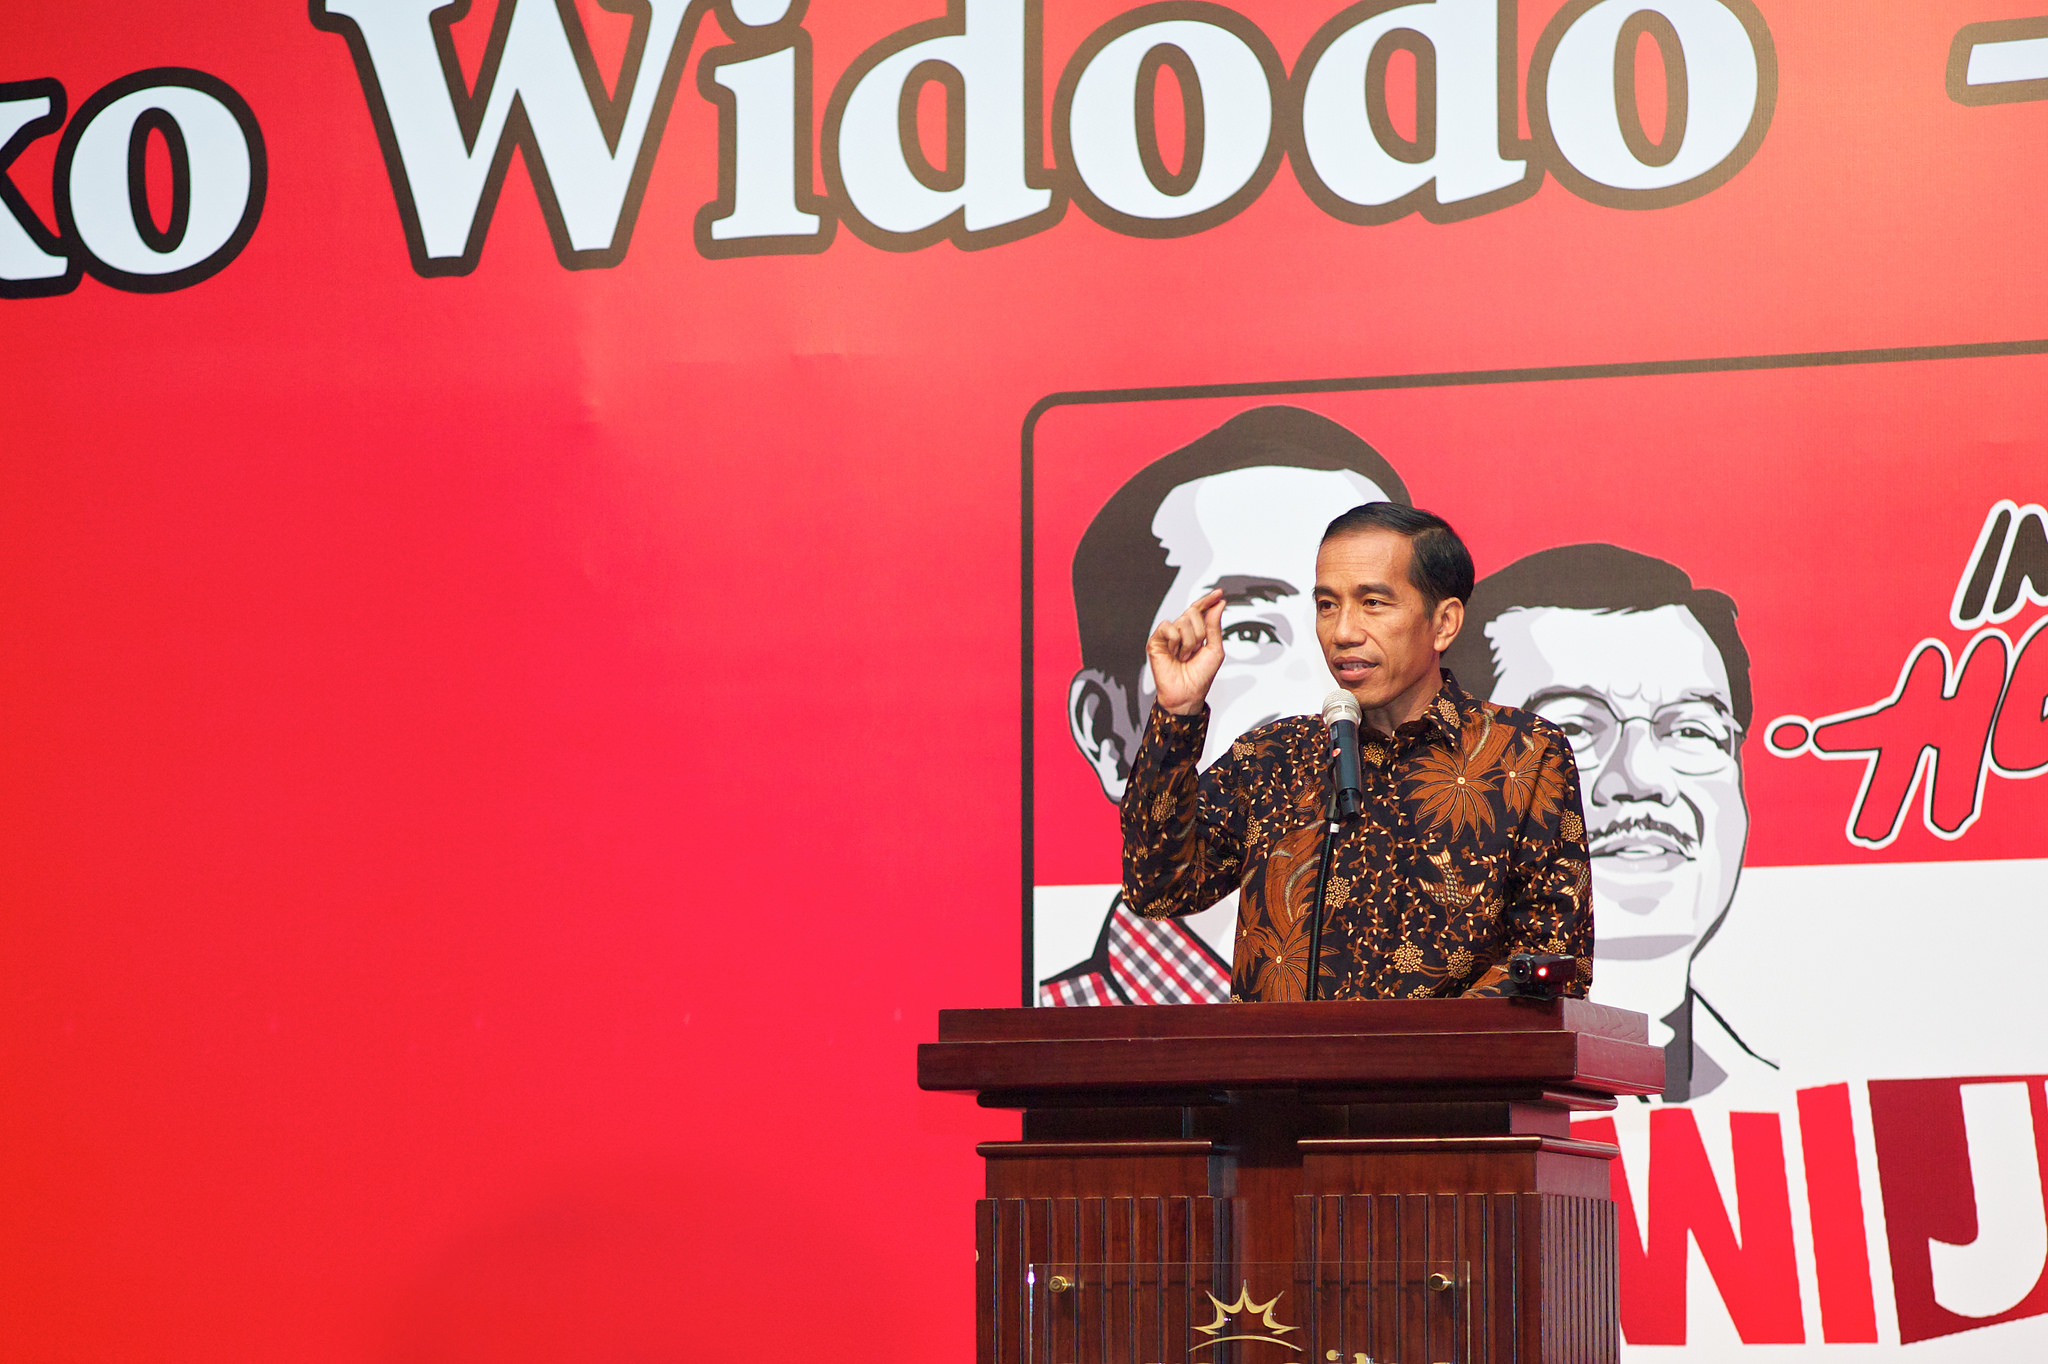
point(1382, 1182)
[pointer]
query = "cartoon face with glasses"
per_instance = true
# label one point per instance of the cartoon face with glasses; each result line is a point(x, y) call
point(1649, 681)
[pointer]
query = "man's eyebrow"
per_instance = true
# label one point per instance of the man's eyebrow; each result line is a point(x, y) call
point(1537, 698)
point(1362, 590)
point(1706, 698)
point(1238, 588)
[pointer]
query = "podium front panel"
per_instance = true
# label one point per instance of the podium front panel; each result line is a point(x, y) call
point(1220, 1312)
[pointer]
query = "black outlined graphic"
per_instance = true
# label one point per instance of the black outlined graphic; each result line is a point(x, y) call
point(1200, 107)
point(2001, 62)
point(953, 226)
point(167, 236)
point(750, 43)
point(1280, 390)
point(11, 201)
point(517, 133)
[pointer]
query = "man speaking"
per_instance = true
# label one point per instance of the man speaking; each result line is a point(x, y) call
point(1469, 843)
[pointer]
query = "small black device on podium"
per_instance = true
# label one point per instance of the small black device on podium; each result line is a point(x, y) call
point(1539, 975)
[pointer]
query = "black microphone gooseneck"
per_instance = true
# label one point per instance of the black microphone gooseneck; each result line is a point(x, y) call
point(1347, 797)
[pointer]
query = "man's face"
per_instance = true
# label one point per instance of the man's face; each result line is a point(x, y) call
point(1645, 700)
point(1380, 639)
point(1253, 533)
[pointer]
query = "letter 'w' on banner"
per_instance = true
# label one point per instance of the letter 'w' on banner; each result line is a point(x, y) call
point(1750, 1256)
point(447, 150)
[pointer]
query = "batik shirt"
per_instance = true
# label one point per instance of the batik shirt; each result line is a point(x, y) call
point(1471, 847)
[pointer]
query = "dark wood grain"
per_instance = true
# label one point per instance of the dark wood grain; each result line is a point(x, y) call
point(1534, 1274)
point(1337, 1153)
point(1377, 1044)
point(1068, 1169)
point(1293, 1060)
point(1140, 1260)
point(1374, 1017)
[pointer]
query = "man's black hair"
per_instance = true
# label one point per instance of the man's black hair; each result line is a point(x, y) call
point(1120, 569)
point(1594, 578)
point(1440, 566)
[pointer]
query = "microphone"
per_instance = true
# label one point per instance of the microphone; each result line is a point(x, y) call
point(1341, 714)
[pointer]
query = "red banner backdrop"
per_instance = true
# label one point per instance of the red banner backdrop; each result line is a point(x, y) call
point(513, 624)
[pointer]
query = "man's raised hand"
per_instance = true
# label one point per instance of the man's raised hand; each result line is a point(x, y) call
point(1185, 653)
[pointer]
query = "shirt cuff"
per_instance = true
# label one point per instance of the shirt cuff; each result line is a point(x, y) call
point(1174, 737)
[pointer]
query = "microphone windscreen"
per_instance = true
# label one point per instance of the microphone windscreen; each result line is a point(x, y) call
point(1341, 705)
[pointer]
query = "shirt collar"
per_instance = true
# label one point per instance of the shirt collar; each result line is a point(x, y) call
point(1445, 716)
point(1444, 719)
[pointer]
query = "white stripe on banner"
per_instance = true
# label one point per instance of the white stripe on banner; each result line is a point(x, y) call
point(2017, 59)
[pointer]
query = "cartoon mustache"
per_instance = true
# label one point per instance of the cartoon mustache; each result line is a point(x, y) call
point(1614, 833)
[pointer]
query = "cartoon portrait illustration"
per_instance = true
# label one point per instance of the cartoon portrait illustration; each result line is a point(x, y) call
point(1648, 677)
point(1241, 510)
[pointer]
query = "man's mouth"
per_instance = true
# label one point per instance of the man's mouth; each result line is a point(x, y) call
point(1640, 841)
point(1351, 670)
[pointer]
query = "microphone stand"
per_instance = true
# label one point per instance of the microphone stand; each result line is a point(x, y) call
point(1315, 923)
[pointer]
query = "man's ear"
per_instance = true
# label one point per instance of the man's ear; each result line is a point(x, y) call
point(1100, 717)
point(1450, 618)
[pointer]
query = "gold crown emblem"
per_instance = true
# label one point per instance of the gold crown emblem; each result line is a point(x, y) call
point(1263, 1311)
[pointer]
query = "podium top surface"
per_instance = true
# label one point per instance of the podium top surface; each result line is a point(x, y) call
point(1411, 1048)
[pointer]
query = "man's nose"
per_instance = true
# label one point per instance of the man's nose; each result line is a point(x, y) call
point(1350, 631)
point(1635, 770)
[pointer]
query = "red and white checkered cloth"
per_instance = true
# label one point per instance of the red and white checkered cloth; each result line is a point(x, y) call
point(1142, 961)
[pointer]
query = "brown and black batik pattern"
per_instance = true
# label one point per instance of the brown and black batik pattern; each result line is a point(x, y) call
point(1471, 847)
